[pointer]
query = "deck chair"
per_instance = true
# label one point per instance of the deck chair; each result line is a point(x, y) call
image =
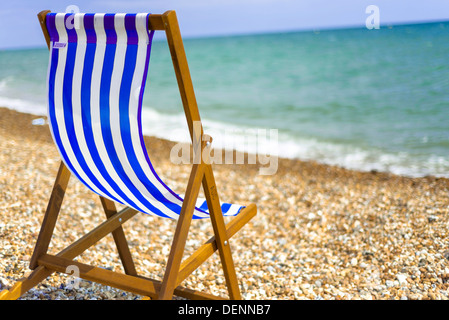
point(96, 77)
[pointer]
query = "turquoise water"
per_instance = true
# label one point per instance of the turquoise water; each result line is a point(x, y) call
point(358, 98)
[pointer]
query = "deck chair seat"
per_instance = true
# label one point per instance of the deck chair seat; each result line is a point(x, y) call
point(96, 77)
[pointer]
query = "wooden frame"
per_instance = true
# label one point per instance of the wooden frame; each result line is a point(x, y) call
point(43, 264)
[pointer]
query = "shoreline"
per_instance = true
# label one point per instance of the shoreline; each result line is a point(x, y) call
point(286, 161)
point(321, 232)
point(420, 169)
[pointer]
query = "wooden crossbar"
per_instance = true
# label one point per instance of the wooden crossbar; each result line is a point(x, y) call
point(191, 263)
point(98, 233)
point(139, 285)
point(155, 22)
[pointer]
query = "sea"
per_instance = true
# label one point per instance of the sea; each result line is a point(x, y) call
point(357, 98)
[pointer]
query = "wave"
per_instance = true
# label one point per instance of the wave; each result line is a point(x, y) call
point(25, 106)
point(364, 159)
point(231, 137)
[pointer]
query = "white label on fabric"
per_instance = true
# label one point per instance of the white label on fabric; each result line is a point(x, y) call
point(59, 45)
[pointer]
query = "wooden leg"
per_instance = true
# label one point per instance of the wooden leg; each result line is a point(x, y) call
point(23, 285)
point(222, 240)
point(120, 239)
point(51, 215)
point(182, 230)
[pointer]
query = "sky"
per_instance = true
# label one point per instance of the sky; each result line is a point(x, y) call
point(198, 18)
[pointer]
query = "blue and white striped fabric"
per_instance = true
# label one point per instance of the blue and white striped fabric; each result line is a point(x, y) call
point(96, 77)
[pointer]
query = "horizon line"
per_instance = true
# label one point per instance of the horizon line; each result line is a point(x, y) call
point(268, 32)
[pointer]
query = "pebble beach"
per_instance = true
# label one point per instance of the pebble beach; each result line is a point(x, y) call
point(321, 232)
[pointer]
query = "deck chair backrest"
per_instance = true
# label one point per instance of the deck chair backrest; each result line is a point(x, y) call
point(96, 79)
